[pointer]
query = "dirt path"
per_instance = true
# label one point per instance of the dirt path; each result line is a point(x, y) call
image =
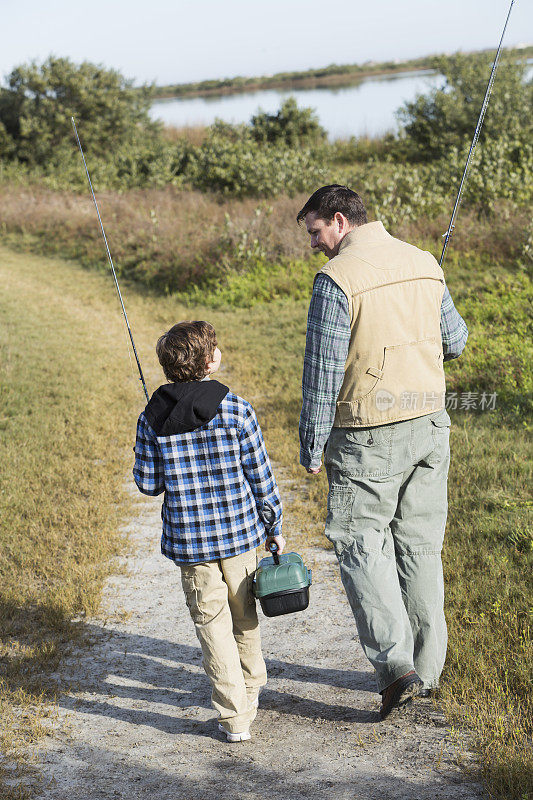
point(138, 723)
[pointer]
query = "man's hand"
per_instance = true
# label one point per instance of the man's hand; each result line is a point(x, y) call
point(314, 471)
point(279, 540)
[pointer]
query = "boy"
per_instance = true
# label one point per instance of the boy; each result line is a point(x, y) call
point(201, 444)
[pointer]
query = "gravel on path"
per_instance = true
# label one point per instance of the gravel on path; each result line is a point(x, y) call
point(136, 721)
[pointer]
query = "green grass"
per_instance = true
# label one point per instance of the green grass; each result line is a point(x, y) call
point(69, 410)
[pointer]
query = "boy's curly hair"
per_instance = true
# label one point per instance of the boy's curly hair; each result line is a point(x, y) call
point(185, 349)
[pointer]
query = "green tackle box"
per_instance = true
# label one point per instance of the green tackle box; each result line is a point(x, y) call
point(281, 584)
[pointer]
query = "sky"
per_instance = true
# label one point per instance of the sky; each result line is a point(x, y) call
point(176, 41)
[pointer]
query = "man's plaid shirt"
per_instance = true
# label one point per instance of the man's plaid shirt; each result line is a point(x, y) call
point(221, 497)
point(326, 350)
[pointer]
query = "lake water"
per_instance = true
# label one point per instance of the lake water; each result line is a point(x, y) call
point(365, 109)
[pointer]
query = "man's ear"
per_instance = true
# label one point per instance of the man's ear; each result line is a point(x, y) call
point(340, 221)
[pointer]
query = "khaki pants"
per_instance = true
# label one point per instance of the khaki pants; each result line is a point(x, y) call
point(387, 507)
point(219, 597)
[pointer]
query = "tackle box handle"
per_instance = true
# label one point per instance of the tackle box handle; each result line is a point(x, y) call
point(274, 550)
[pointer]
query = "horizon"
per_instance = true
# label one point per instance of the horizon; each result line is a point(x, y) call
point(370, 63)
point(520, 46)
point(168, 43)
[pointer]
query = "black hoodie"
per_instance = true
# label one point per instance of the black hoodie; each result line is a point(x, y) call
point(183, 407)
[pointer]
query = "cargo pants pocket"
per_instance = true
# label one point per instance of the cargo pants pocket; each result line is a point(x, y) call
point(192, 597)
point(250, 575)
point(359, 452)
point(368, 452)
point(440, 433)
point(341, 501)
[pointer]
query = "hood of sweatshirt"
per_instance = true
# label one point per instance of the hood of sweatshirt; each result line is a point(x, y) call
point(183, 407)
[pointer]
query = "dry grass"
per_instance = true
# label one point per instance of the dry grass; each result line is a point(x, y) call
point(170, 240)
point(69, 408)
point(193, 134)
point(500, 239)
point(63, 428)
point(163, 238)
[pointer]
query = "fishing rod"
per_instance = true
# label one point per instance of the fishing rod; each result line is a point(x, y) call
point(479, 125)
point(141, 376)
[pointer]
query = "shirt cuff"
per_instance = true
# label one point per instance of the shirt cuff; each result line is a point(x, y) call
point(308, 461)
point(268, 515)
point(275, 531)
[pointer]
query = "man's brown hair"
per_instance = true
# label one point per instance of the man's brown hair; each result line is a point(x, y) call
point(327, 200)
point(185, 349)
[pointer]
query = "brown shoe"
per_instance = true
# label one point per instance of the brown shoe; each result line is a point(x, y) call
point(432, 693)
point(399, 693)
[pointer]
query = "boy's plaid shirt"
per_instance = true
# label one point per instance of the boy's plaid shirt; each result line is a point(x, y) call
point(326, 350)
point(221, 497)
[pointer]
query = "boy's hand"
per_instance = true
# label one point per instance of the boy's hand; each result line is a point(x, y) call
point(279, 540)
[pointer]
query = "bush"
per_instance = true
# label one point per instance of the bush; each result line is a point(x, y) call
point(444, 119)
point(233, 163)
point(36, 107)
point(501, 170)
point(500, 312)
point(281, 153)
point(291, 126)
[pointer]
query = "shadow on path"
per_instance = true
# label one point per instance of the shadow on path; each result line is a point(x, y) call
point(171, 674)
point(250, 776)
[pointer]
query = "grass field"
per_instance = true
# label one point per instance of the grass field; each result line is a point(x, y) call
point(67, 420)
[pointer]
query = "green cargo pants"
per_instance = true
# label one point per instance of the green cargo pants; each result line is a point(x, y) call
point(387, 507)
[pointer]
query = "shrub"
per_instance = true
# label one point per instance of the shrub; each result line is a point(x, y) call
point(291, 126)
point(445, 118)
point(499, 312)
point(234, 163)
point(36, 107)
point(502, 169)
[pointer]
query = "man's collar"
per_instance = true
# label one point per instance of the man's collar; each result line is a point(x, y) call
point(364, 234)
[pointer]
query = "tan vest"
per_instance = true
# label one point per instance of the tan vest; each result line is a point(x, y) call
point(394, 369)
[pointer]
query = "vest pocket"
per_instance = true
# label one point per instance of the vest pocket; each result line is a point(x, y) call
point(403, 381)
point(370, 379)
point(413, 375)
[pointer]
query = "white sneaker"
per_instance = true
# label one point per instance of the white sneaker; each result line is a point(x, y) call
point(235, 737)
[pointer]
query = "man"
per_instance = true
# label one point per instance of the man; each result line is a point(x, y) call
point(380, 324)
